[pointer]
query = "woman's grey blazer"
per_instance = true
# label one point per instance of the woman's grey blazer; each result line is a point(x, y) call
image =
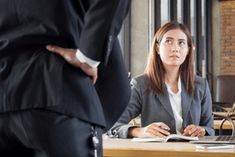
point(152, 107)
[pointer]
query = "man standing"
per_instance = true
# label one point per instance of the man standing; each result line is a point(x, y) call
point(49, 103)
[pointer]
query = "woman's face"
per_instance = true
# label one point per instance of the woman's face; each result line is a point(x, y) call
point(173, 48)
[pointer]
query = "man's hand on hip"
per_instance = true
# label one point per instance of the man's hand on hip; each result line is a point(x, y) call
point(70, 56)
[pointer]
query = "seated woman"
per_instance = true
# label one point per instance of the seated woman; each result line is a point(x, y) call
point(168, 96)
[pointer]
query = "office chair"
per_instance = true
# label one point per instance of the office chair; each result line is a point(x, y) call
point(225, 93)
point(225, 89)
point(224, 100)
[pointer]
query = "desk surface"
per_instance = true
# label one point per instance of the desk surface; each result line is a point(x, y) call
point(226, 124)
point(128, 148)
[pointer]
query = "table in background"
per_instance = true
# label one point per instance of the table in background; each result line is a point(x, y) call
point(226, 124)
point(127, 148)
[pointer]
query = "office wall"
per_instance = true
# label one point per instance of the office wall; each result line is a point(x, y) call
point(227, 31)
point(223, 38)
point(141, 34)
point(216, 37)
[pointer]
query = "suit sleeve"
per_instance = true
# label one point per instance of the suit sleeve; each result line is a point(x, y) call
point(121, 127)
point(207, 118)
point(102, 24)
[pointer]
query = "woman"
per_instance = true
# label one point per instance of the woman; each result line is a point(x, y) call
point(168, 96)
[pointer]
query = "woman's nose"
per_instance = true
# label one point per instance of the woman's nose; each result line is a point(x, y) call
point(175, 47)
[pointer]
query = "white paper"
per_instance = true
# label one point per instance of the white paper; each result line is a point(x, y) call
point(159, 139)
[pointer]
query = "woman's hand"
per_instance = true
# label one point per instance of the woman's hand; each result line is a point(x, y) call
point(194, 130)
point(70, 56)
point(158, 129)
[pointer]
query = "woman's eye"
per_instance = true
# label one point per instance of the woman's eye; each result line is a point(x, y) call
point(169, 42)
point(182, 43)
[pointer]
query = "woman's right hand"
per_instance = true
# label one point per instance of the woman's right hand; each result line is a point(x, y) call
point(157, 129)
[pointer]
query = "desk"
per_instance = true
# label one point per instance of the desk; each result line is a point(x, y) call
point(226, 124)
point(127, 148)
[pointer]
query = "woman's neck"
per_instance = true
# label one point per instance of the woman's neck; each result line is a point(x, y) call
point(172, 75)
point(171, 78)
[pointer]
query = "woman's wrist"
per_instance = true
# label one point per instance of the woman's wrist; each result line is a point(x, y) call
point(134, 132)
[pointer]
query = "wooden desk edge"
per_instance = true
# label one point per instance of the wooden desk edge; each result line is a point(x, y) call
point(163, 153)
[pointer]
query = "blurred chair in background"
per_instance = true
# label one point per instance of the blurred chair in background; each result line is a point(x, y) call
point(224, 101)
point(225, 89)
point(225, 93)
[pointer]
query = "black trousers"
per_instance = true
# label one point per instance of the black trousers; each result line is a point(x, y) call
point(43, 133)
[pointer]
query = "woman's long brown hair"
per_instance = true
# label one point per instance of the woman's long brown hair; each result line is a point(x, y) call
point(155, 70)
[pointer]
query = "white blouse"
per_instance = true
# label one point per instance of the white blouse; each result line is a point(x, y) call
point(175, 100)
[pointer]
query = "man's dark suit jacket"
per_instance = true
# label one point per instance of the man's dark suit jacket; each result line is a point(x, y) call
point(31, 77)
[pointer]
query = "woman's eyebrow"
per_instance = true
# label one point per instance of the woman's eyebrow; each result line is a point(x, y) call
point(169, 38)
point(181, 39)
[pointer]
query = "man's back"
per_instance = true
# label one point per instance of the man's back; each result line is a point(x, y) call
point(33, 78)
point(42, 91)
point(26, 24)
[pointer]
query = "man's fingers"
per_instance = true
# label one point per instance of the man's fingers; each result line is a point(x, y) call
point(92, 72)
point(94, 79)
point(56, 49)
point(70, 56)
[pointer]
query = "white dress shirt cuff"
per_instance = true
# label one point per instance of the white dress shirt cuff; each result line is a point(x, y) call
point(82, 58)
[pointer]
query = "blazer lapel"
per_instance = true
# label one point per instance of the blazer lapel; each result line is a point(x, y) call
point(165, 101)
point(186, 102)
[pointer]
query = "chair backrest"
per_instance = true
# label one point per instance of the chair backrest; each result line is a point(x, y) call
point(225, 89)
